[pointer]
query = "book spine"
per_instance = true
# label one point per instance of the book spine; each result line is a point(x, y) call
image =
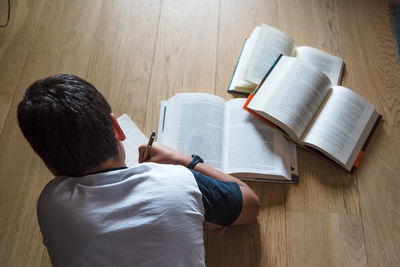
point(361, 154)
point(255, 114)
point(267, 74)
point(251, 95)
point(234, 70)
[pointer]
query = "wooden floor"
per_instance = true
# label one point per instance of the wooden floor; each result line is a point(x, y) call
point(140, 52)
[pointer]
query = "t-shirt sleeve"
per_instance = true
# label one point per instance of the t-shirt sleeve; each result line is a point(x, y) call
point(222, 201)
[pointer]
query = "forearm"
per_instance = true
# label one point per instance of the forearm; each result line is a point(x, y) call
point(209, 171)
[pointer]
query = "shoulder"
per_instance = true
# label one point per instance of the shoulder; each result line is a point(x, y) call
point(168, 170)
point(52, 190)
point(167, 175)
point(150, 184)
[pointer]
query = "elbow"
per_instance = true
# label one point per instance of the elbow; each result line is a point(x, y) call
point(252, 206)
point(250, 210)
point(255, 209)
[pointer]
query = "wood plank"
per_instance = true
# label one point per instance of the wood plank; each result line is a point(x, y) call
point(122, 53)
point(22, 173)
point(5, 101)
point(325, 239)
point(185, 55)
point(237, 19)
point(311, 23)
point(322, 187)
point(373, 71)
point(262, 243)
point(15, 41)
point(67, 26)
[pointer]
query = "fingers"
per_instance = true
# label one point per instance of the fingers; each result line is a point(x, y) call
point(162, 154)
point(222, 230)
point(141, 149)
point(214, 227)
point(156, 153)
point(210, 226)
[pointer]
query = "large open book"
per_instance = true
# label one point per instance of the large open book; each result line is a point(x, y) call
point(330, 120)
point(226, 137)
point(264, 46)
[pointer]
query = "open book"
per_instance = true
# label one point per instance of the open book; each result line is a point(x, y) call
point(134, 138)
point(331, 120)
point(264, 46)
point(226, 137)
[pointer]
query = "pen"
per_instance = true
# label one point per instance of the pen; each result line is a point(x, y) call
point(149, 145)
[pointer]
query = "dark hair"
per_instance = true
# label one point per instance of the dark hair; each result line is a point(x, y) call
point(67, 122)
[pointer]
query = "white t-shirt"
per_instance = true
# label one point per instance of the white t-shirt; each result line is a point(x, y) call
point(147, 215)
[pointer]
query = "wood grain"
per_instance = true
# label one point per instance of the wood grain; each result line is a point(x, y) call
point(15, 41)
point(322, 187)
point(325, 239)
point(121, 56)
point(67, 26)
point(138, 52)
point(185, 53)
point(262, 243)
point(373, 72)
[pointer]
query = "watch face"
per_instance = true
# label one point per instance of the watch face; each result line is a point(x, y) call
point(196, 159)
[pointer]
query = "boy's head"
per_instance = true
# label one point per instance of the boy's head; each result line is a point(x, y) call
point(68, 124)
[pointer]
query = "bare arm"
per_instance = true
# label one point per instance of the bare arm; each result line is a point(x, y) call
point(162, 154)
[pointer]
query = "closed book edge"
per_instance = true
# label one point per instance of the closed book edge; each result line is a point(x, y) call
point(235, 89)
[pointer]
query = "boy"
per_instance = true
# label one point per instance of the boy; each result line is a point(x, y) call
point(98, 212)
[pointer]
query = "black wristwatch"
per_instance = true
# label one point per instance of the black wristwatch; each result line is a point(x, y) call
point(195, 159)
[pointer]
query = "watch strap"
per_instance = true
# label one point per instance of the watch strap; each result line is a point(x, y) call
point(195, 160)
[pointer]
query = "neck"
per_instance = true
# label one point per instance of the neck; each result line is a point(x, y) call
point(111, 163)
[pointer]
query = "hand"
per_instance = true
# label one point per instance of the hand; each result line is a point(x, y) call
point(214, 227)
point(164, 155)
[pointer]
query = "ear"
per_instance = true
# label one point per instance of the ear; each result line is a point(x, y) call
point(119, 134)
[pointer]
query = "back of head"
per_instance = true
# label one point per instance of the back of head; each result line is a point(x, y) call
point(67, 122)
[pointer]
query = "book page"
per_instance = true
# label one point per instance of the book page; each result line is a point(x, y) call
point(270, 43)
point(193, 124)
point(330, 65)
point(238, 80)
point(291, 95)
point(134, 138)
point(252, 146)
point(342, 126)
